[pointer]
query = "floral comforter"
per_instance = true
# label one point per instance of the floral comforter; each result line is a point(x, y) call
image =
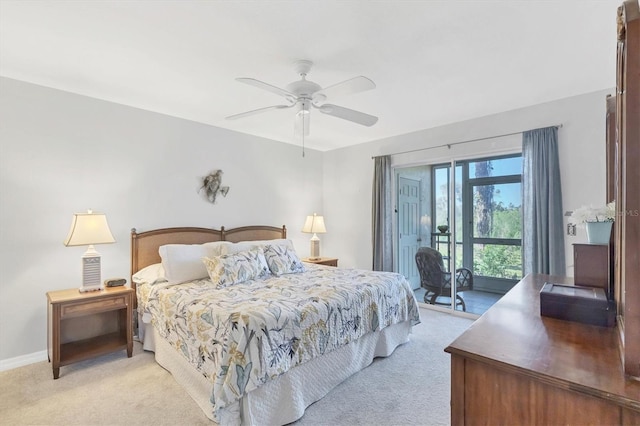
point(241, 336)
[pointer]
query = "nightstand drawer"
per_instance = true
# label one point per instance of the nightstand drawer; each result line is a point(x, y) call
point(84, 307)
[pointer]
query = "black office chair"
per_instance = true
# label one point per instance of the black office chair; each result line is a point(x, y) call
point(437, 281)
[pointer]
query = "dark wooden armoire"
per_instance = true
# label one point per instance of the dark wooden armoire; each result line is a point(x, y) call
point(623, 183)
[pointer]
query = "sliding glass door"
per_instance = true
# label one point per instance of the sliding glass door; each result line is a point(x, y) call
point(473, 218)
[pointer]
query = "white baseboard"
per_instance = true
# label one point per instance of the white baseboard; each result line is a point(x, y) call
point(20, 361)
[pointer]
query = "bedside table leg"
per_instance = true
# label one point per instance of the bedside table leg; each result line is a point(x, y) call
point(128, 321)
point(56, 372)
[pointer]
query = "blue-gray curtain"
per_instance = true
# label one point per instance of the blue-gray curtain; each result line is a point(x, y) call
point(543, 233)
point(382, 218)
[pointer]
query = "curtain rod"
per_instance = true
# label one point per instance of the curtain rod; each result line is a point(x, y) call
point(449, 145)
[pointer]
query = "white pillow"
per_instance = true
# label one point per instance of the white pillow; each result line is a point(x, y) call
point(183, 262)
point(151, 274)
point(248, 245)
point(229, 269)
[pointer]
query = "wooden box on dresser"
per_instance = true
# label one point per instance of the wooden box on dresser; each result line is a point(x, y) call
point(86, 325)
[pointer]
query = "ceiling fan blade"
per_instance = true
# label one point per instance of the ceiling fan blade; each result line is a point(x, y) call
point(268, 87)
point(302, 122)
point(348, 114)
point(257, 111)
point(348, 87)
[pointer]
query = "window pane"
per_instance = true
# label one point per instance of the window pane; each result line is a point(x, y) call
point(495, 167)
point(459, 263)
point(492, 260)
point(497, 211)
point(459, 233)
point(441, 197)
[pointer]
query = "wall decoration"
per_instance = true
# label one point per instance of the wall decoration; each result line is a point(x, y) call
point(212, 186)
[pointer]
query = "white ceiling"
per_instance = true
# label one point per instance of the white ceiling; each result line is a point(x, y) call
point(434, 62)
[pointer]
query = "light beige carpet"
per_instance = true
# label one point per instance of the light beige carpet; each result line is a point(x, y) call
point(411, 387)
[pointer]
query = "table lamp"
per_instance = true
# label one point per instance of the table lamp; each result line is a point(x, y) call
point(88, 229)
point(314, 225)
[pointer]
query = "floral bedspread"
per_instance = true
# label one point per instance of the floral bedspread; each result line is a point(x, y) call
point(241, 336)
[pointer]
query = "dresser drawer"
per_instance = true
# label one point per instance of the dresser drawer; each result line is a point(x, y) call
point(94, 306)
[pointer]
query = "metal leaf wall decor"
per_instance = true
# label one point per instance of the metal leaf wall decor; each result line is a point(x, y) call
point(212, 186)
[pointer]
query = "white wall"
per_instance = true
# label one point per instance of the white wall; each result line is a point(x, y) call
point(348, 172)
point(61, 153)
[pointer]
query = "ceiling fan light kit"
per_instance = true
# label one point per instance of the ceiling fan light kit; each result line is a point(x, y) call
point(306, 94)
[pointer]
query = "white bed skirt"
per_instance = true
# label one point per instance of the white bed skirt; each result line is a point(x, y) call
point(284, 399)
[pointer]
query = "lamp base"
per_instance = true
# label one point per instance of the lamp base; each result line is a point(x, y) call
point(89, 289)
point(314, 252)
point(91, 271)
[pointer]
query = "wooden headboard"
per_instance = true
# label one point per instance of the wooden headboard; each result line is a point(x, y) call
point(250, 233)
point(145, 245)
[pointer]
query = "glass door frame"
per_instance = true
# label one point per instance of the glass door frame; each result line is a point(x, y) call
point(451, 162)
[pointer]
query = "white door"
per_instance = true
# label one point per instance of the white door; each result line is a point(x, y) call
point(408, 229)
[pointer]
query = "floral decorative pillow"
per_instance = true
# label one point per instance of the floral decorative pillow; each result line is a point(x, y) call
point(248, 245)
point(235, 268)
point(282, 260)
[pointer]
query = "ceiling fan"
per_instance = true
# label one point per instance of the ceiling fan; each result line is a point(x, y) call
point(305, 94)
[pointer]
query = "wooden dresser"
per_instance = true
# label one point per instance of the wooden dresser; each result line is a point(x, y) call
point(514, 367)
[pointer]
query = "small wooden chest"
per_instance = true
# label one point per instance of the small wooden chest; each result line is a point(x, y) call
point(588, 305)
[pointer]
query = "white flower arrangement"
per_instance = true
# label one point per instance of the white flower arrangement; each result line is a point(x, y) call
point(590, 213)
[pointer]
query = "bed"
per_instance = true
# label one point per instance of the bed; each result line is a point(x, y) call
point(260, 350)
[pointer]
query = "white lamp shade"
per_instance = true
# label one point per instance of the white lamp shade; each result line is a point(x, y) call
point(88, 229)
point(314, 224)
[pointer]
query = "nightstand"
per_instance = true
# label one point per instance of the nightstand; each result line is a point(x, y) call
point(327, 261)
point(85, 325)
